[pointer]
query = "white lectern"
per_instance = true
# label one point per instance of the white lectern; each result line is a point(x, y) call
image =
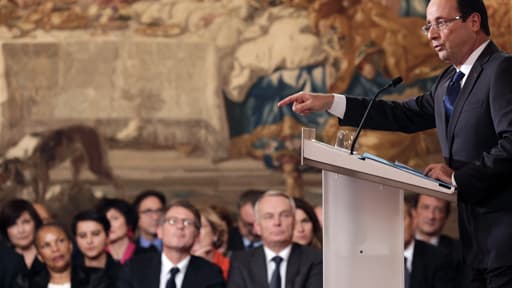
point(363, 215)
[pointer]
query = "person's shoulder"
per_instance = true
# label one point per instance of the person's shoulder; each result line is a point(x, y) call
point(203, 264)
point(309, 252)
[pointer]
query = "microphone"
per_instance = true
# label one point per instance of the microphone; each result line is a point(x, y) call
point(395, 82)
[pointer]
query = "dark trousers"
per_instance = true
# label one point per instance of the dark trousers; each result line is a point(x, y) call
point(500, 277)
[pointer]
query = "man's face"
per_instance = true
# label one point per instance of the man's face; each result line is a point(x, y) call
point(150, 212)
point(246, 222)
point(457, 39)
point(275, 221)
point(178, 231)
point(430, 215)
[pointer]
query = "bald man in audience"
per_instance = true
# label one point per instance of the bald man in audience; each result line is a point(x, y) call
point(278, 263)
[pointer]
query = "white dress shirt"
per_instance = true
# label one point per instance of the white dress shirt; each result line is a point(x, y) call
point(165, 273)
point(285, 254)
point(408, 253)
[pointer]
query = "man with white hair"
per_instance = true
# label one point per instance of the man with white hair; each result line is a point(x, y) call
point(278, 263)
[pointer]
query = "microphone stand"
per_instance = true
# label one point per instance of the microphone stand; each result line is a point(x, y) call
point(393, 84)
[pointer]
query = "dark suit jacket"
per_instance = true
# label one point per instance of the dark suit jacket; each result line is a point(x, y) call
point(430, 267)
point(476, 143)
point(143, 271)
point(235, 242)
point(12, 265)
point(304, 270)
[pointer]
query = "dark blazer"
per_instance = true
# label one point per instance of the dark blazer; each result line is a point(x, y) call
point(143, 271)
point(235, 242)
point(476, 143)
point(249, 270)
point(430, 267)
point(12, 265)
point(79, 279)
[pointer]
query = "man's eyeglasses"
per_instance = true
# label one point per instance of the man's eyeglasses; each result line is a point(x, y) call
point(440, 24)
point(174, 221)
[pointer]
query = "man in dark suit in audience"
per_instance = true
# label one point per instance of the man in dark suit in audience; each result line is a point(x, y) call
point(278, 263)
point(244, 237)
point(175, 267)
point(12, 265)
point(430, 214)
point(149, 205)
point(426, 266)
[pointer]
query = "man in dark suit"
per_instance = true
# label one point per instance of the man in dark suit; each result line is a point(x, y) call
point(243, 236)
point(426, 266)
point(149, 205)
point(471, 106)
point(278, 263)
point(175, 267)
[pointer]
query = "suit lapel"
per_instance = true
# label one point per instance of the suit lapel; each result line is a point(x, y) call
point(258, 269)
point(292, 269)
point(152, 271)
point(191, 275)
point(469, 84)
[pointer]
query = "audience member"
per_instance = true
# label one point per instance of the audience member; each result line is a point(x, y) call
point(307, 230)
point(278, 263)
point(320, 215)
point(54, 249)
point(227, 217)
point(90, 229)
point(244, 237)
point(149, 205)
point(18, 224)
point(123, 219)
point(43, 212)
point(212, 236)
point(425, 265)
point(430, 216)
point(175, 266)
point(11, 266)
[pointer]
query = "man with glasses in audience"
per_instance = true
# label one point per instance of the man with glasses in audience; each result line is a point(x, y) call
point(244, 237)
point(149, 205)
point(278, 263)
point(470, 104)
point(175, 267)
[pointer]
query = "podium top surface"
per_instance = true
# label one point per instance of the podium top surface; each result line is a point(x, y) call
point(326, 157)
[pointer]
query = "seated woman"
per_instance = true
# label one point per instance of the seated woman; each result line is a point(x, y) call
point(90, 229)
point(18, 223)
point(212, 236)
point(54, 248)
point(123, 220)
point(307, 230)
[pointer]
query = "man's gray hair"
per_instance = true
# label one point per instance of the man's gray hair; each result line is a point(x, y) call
point(272, 193)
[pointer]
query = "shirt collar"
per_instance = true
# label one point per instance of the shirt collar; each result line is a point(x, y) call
point(408, 253)
point(285, 253)
point(466, 67)
point(433, 240)
point(167, 264)
point(147, 243)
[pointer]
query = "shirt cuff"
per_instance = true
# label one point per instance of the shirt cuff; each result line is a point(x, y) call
point(339, 105)
point(454, 184)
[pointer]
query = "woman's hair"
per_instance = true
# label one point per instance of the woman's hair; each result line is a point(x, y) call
point(125, 208)
point(219, 227)
point(90, 215)
point(12, 210)
point(310, 212)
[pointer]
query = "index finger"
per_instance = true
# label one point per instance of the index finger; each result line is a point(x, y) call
point(287, 100)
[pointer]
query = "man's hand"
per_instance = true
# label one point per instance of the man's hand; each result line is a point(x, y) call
point(439, 171)
point(305, 103)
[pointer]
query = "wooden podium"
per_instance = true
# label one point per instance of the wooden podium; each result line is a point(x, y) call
point(363, 215)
